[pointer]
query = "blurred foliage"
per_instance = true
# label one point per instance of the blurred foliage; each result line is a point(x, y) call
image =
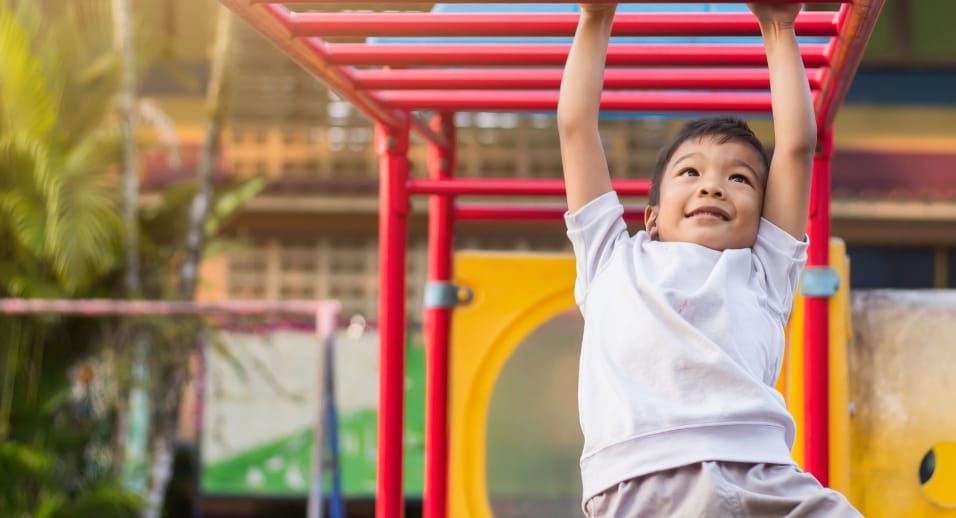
point(58, 214)
point(61, 377)
point(55, 454)
point(57, 475)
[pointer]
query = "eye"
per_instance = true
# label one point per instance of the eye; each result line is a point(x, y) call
point(739, 178)
point(690, 171)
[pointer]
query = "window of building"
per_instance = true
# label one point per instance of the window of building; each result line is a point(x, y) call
point(892, 267)
point(951, 267)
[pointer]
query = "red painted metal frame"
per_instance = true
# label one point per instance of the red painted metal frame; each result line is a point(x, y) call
point(366, 2)
point(392, 146)
point(555, 54)
point(816, 383)
point(856, 23)
point(468, 212)
point(437, 322)
point(328, 25)
point(550, 79)
point(386, 81)
point(513, 187)
point(536, 101)
point(272, 21)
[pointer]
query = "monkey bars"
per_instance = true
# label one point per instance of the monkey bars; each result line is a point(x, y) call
point(511, 61)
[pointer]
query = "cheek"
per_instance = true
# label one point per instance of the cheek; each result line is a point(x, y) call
point(671, 214)
point(751, 203)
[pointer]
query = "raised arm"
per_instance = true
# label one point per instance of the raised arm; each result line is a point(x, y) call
point(787, 198)
point(586, 173)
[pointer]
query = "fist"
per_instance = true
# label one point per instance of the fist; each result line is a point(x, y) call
point(780, 13)
point(598, 8)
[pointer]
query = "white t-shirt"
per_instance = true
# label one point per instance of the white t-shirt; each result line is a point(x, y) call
point(682, 346)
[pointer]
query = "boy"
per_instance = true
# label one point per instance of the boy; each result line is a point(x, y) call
point(683, 334)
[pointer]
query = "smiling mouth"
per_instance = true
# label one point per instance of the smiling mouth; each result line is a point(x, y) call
point(709, 213)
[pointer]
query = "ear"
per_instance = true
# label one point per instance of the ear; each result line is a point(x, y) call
point(650, 222)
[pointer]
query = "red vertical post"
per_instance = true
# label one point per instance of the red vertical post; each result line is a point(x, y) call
point(437, 320)
point(817, 320)
point(392, 147)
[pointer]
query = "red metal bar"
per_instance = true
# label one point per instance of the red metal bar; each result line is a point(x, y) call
point(817, 322)
point(819, 23)
point(392, 147)
point(856, 24)
point(524, 100)
point(526, 212)
point(366, 2)
point(273, 21)
point(550, 78)
point(514, 187)
point(437, 324)
point(544, 54)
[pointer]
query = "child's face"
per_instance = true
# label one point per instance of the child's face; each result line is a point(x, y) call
point(711, 194)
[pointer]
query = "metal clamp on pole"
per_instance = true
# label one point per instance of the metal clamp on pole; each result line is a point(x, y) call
point(819, 281)
point(446, 295)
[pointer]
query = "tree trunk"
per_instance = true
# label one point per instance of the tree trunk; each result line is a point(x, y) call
point(123, 43)
point(166, 397)
point(133, 421)
point(199, 210)
point(215, 95)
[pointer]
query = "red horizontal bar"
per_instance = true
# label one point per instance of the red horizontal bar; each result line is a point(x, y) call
point(550, 78)
point(273, 22)
point(355, 24)
point(514, 187)
point(367, 2)
point(409, 55)
point(523, 100)
point(475, 212)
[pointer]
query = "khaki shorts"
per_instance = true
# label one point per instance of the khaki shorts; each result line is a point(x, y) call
point(721, 489)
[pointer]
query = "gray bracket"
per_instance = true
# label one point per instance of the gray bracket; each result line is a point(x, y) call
point(819, 281)
point(446, 295)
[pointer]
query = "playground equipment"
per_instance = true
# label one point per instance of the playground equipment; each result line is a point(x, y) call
point(515, 294)
point(389, 82)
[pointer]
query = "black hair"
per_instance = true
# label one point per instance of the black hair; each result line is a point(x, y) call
point(723, 129)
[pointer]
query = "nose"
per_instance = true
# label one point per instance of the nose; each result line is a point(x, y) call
point(712, 189)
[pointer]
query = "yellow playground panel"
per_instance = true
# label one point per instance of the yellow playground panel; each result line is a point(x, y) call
point(515, 294)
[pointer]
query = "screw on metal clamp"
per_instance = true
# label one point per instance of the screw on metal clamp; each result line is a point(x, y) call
point(819, 281)
point(446, 295)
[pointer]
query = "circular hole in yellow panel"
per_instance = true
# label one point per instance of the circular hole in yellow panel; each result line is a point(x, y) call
point(937, 474)
point(533, 435)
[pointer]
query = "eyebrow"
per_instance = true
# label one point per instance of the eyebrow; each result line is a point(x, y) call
point(688, 155)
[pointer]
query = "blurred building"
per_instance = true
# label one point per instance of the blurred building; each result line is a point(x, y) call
point(313, 233)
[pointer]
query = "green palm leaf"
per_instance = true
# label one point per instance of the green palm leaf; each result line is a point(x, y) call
point(25, 186)
point(83, 239)
point(26, 105)
point(57, 202)
point(84, 63)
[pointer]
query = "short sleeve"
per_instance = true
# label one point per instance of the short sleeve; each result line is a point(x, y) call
point(594, 230)
point(781, 258)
